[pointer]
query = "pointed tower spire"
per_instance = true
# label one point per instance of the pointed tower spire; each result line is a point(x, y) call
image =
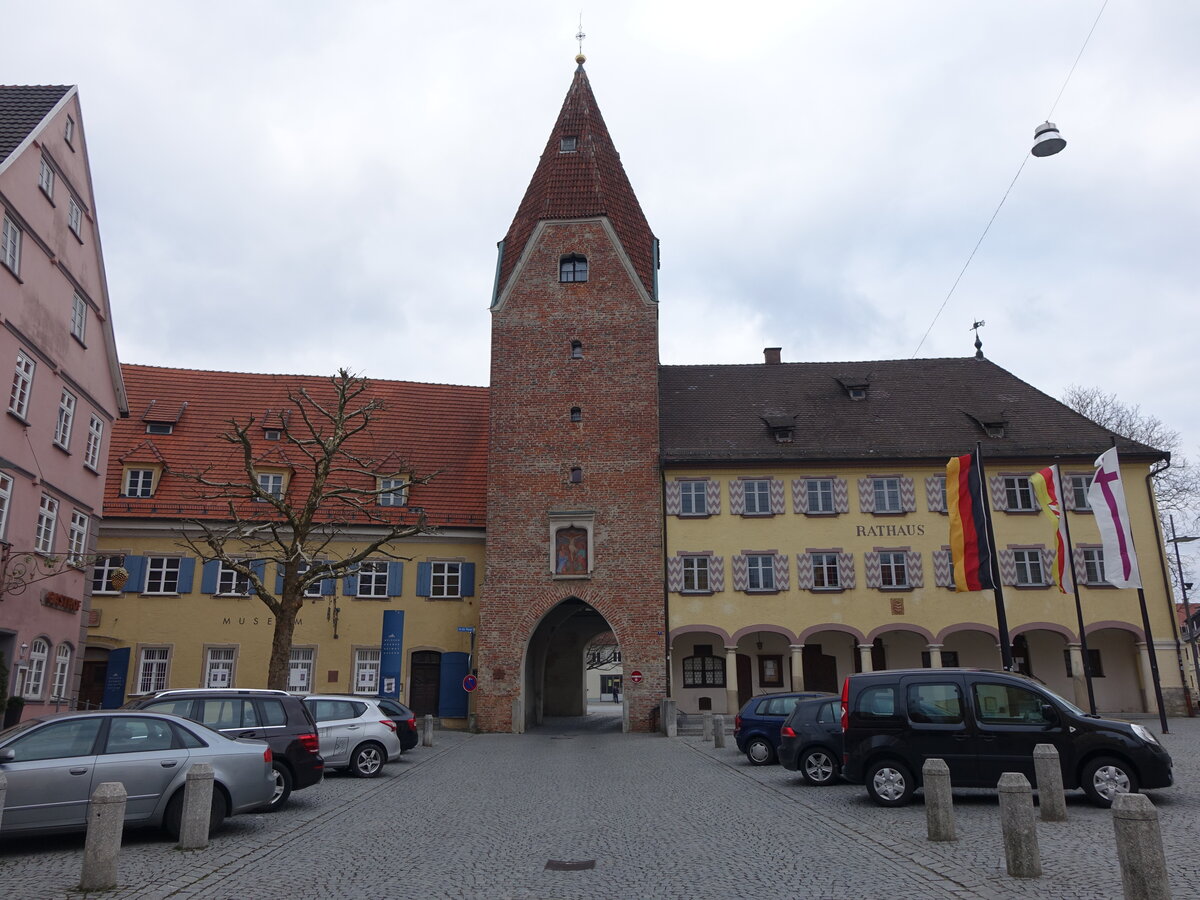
point(580, 176)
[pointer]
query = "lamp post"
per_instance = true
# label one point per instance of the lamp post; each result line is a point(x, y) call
point(1189, 636)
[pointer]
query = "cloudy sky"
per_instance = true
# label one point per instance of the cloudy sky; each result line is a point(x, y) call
point(295, 186)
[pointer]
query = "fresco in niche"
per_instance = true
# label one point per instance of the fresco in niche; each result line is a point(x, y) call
point(570, 552)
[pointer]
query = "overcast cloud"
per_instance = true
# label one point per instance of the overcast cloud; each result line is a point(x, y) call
point(294, 186)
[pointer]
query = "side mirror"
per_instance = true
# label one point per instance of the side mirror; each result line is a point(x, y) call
point(7, 755)
point(1050, 713)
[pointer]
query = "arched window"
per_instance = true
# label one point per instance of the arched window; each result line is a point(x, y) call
point(576, 350)
point(35, 681)
point(573, 268)
point(576, 414)
point(62, 666)
point(576, 475)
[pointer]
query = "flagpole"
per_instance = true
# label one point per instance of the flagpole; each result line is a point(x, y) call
point(1001, 617)
point(1153, 654)
point(1070, 561)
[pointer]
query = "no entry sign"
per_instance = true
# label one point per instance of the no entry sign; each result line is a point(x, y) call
point(635, 677)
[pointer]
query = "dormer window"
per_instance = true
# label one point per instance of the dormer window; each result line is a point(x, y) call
point(159, 428)
point(567, 144)
point(855, 386)
point(271, 434)
point(992, 421)
point(782, 428)
point(161, 420)
point(573, 268)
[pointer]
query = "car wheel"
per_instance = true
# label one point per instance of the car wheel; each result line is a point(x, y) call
point(367, 760)
point(759, 751)
point(889, 783)
point(173, 817)
point(1104, 777)
point(818, 766)
point(283, 788)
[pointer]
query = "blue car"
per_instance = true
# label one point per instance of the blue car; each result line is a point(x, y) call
point(756, 728)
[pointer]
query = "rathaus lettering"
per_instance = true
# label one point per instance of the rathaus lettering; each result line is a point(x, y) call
point(889, 530)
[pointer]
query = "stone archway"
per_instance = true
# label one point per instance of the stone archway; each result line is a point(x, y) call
point(555, 676)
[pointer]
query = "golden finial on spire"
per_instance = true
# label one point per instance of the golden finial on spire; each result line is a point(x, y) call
point(579, 36)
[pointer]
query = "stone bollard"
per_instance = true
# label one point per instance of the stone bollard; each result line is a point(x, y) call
point(1052, 801)
point(670, 717)
point(106, 818)
point(719, 732)
point(1020, 831)
point(1140, 848)
point(3, 792)
point(197, 807)
point(707, 720)
point(427, 731)
point(939, 802)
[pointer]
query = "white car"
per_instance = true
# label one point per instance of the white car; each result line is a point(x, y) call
point(355, 734)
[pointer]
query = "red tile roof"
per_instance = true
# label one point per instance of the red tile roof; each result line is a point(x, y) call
point(585, 183)
point(433, 428)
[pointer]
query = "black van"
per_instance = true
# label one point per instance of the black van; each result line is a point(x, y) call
point(984, 724)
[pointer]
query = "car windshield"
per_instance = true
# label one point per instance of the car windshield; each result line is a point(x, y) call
point(1063, 700)
point(12, 732)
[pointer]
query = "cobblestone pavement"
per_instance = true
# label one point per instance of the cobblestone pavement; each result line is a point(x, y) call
point(482, 815)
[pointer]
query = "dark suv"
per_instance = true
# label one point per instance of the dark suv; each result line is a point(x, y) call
point(277, 717)
point(984, 724)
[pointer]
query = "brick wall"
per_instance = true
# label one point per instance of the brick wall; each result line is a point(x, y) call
point(533, 446)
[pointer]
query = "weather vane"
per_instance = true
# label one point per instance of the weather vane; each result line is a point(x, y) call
point(979, 323)
point(579, 36)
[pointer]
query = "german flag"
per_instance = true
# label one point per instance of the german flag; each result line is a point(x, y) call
point(967, 505)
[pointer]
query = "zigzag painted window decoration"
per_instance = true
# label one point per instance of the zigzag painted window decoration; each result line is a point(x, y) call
point(935, 493)
point(1026, 566)
point(695, 573)
point(943, 568)
point(756, 497)
point(760, 572)
point(887, 495)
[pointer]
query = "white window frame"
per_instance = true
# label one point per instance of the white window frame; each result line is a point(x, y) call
point(46, 178)
point(43, 536)
point(69, 130)
point(62, 667)
point(270, 483)
point(696, 572)
point(74, 216)
point(66, 418)
point(22, 385)
point(153, 665)
point(77, 537)
point(1079, 485)
point(893, 569)
point(693, 498)
point(95, 440)
point(162, 575)
point(757, 494)
point(827, 574)
point(231, 583)
point(104, 568)
point(301, 660)
point(820, 496)
point(35, 676)
point(139, 483)
point(1028, 562)
point(10, 246)
point(366, 670)
point(393, 491)
point(445, 580)
point(1018, 494)
point(372, 580)
point(219, 660)
point(5, 502)
point(1093, 565)
point(78, 317)
point(887, 492)
point(760, 572)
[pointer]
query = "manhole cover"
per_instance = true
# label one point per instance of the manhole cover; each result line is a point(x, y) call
point(570, 865)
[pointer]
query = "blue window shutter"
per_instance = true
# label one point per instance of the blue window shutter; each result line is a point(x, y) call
point(350, 585)
point(259, 568)
point(136, 567)
point(424, 579)
point(452, 699)
point(187, 573)
point(467, 580)
point(395, 584)
point(278, 578)
point(328, 587)
point(208, 576)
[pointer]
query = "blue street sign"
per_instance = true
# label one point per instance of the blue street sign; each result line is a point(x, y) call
point(466, 628)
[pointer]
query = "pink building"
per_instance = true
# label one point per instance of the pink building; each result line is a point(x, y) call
point(56, 341)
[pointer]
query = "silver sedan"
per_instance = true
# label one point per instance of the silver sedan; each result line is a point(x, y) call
point(54, 763)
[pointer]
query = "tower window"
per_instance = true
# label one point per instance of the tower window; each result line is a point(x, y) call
point(576, 475)
point(567, 144)
point(576, 414)
point(573, 268)
point(576, 350)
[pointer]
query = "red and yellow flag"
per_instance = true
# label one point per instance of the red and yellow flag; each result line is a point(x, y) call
point(1047, 487)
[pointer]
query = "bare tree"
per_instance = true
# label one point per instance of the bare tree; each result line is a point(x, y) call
point(603, 652)
point(1177, 488)
point(335, 484)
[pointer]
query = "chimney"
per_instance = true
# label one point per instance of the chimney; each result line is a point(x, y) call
point(771, 355)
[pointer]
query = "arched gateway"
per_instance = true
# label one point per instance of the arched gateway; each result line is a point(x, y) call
point(574, 505)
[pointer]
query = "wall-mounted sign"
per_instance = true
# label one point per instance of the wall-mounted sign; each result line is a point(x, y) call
point(61, 601)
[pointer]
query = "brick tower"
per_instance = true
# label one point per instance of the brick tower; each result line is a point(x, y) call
point(574, 498)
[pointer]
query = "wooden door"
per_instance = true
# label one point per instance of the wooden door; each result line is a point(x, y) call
point(426, 682)
point(745, 679)
point(91, 683)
